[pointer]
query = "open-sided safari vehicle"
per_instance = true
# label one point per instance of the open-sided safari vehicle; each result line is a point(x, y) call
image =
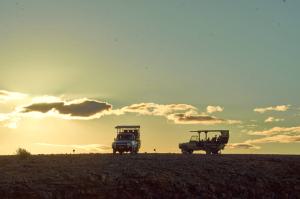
point(127, 140)
point(211, 145)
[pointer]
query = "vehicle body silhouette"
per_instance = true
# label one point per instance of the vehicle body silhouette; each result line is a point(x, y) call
point(210, 145)
point(127, 139)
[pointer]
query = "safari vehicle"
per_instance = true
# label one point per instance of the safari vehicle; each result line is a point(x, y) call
point(210, 145)
point(127, 140)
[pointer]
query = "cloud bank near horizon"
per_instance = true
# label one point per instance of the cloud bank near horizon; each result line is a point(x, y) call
point(273, 135)
point(87, 109)
point(180, 113)
point(86, 147)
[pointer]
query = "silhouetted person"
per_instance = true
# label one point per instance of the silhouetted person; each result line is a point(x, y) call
point(214, 139)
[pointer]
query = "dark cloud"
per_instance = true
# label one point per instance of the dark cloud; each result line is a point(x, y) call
point(184, 117)
point(201, 119)
point(83, 108)
point(242, 146)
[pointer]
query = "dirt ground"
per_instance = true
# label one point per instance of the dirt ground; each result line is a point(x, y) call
point(150, 176)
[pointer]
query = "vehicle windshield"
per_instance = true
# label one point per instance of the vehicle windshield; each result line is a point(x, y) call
point(194, 138)
point(124, 136)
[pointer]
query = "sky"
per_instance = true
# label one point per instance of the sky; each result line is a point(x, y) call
point(72, 70)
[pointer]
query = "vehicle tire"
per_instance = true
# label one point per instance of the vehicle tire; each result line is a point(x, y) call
point(215, 152)
point(133, 151)
point(184, 151)
point(136, 151)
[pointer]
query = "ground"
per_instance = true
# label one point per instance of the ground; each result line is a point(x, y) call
point(150, 176)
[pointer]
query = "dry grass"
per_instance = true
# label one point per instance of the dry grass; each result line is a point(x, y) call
point(150, 176)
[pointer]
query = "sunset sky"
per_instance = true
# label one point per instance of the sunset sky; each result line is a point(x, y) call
point(72, 70)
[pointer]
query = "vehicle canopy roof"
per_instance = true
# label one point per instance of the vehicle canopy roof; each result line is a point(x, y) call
point(128, 127)
point(135, 129)
point(223, 132)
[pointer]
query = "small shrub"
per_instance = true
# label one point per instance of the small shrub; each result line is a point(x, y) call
point(23, 153)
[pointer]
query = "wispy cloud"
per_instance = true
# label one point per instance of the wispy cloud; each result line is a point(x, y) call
point(213, 109)
point(86, 147)
point(273, 135)
point(243, 145)
point(273, 119)
point(280, 108)
point(8, 95)
point(3, 117)
point(186, 118)
point(9, 120)
point(252, 144)
point(157, 109)
point(277, 130)
point(183, 118)
point(276, 138)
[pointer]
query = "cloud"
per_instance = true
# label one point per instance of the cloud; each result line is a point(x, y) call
point(157, 109)
point(82, 108)
point(186, 118)
point(280, 108)
point(276, 138)
point(182, 118)
point(242, 146)
point(8, 95)
point(9, 120)
point(86, 109)
point(251, 144)
point(272, 119)
point(3, 117)
point(12, 123)
point(86, 147)
point(213, 109)
point(273, 135)
point(178, 113)
point(277, 130)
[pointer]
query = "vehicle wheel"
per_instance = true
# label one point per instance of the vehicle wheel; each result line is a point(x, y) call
point(133, 151)
point(136, 151)
point(184, 151)
point(215, 152)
